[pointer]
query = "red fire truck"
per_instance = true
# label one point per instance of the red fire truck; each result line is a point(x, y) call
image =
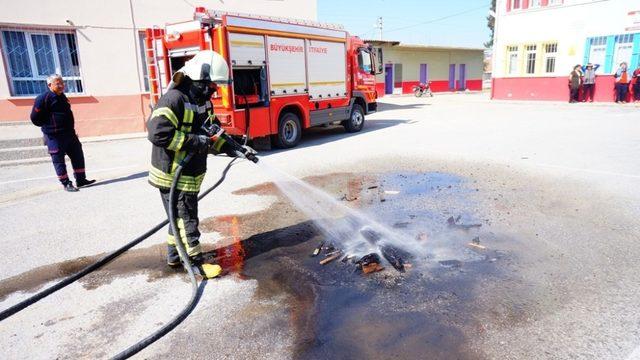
point(287, 75)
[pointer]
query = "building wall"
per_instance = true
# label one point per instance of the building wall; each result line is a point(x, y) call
point(114, 98)
point(438, 61)
point(571, 25)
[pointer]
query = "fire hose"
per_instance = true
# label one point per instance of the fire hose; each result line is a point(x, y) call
point(215, 132)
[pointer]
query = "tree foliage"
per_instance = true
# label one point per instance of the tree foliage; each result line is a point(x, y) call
point(491, 22)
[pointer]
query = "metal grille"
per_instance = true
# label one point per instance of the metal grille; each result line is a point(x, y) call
point(16, 51)
point(33, 55)
point(68, 54)
point(43, 54)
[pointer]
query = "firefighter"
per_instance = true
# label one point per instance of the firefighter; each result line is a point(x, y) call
point(52, 113)
point(174, 130)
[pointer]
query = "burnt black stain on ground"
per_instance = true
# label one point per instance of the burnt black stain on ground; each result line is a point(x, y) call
point(339, 313)
point(336, 311)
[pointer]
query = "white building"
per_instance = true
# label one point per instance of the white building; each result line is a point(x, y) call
point(96, 46)
point(538, 42)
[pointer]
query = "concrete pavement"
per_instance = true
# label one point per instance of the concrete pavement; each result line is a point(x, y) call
point(549, 157)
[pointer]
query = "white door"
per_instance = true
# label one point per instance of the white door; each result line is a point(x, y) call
point(597, 55)
point(622, 53)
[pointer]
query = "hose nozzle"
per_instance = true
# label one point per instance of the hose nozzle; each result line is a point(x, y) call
point(215, 132)
point(247, 154)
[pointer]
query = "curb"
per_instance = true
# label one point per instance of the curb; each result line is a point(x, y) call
point(40, 160)
point(90, 139)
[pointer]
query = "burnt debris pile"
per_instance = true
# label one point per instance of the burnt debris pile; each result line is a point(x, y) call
point(374, 249)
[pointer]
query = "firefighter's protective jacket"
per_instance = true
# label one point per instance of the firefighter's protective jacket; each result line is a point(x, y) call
point(173, 127)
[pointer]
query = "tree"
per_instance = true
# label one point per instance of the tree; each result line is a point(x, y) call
point(491, 23)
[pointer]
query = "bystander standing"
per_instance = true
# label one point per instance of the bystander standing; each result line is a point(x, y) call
point(575, 80)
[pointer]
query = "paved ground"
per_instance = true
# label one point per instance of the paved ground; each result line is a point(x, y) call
point(560, 180)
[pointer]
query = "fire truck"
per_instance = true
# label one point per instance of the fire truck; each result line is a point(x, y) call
point(287, 75)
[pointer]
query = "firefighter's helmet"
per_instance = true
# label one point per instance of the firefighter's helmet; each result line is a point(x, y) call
point(206, 65)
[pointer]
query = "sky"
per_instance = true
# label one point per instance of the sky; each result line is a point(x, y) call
point(426, 22)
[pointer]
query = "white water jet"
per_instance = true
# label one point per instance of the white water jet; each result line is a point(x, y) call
point(339, 223)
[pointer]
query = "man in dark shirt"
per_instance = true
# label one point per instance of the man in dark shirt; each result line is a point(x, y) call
point(52, 113)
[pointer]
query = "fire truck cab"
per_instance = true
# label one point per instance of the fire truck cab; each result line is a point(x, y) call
point(286, 75)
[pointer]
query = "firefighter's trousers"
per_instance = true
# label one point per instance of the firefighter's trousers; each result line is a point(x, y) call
point(187, 221)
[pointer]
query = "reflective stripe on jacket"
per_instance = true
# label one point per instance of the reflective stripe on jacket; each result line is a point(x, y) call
point(173, 126)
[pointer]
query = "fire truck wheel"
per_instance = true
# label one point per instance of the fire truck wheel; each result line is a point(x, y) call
point(289, 131)
point(355, 122)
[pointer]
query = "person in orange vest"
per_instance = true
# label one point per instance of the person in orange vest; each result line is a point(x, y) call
point(636, 84)
point(622, 83)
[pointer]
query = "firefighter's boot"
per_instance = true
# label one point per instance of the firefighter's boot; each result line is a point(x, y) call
point(205, 267)
point(210, 271)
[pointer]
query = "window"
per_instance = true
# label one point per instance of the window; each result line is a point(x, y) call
point(143, 61)
point(535, 3)
point(397, 75)
point(555, 2)
point(623, 50)
point(32, 56)
point(515, 4)
point(364, 61)
point(550, 52)
point(530, 56)
point(597, 51)
point(512, 58)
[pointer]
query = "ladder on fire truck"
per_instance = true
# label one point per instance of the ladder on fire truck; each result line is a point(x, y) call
point(154, 71)
point(202, 14)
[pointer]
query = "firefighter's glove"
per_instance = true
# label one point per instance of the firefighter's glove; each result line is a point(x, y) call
point(200, 144)
point(229, 149)
point(218, 146)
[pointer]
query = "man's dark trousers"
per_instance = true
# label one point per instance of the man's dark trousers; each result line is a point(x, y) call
point(621, 92)
point(67, 144)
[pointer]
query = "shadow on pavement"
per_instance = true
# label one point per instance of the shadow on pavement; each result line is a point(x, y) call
point(321, 135)
point(390, 106)
point(120, 179)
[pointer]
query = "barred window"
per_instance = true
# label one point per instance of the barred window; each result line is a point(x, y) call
point(530, 51)
point(143, 60)
point(550, 52)
point(512, 57)
point(624, 39)
point(623, 49)
point(31, 56)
